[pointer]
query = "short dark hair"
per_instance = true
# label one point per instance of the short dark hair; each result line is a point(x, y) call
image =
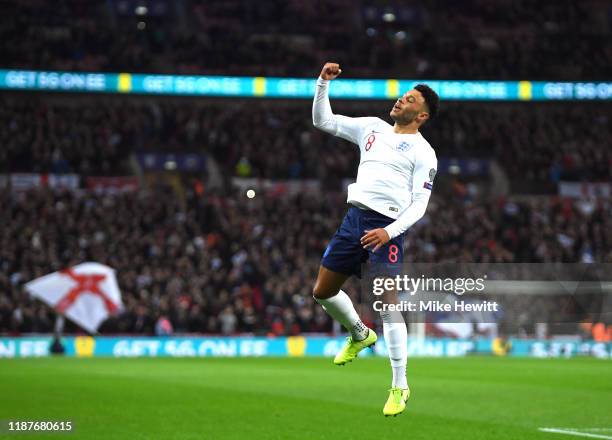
point(431, 99)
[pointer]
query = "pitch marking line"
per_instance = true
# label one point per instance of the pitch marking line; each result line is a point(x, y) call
point(578, 433)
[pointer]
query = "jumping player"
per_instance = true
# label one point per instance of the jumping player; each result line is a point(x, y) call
point(396, 171)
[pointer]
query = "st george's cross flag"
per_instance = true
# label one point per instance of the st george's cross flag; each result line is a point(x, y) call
point(87, 293)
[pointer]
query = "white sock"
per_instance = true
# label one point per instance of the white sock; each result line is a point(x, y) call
point(340, 307)
point(396, 339)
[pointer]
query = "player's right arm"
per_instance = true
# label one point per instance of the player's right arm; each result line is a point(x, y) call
point(322, 116)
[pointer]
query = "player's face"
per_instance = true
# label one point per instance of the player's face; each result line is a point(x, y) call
point(408, 107)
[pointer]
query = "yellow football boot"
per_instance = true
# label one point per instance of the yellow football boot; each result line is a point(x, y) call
point(352, 348)
point(396, 403)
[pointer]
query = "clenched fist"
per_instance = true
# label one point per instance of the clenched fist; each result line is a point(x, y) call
point(331, 71)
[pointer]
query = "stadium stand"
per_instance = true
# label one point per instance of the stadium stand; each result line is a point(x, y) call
point(221, 264)
point(277, 140)
point(188, 258)
point(482, 39)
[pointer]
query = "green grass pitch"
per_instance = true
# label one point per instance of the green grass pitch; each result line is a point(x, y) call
point(307, 398)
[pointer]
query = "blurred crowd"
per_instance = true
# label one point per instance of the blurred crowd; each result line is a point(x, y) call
point(224, 264)
point(195, 260)
point(471, 39)
point(534, 143)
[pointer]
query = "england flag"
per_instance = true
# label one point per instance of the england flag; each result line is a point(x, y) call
point(87, 293)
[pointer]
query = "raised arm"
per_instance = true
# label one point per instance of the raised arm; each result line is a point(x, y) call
point(322, 116)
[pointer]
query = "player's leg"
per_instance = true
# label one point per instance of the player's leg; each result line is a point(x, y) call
point(343, 258)
point(327, 292)
point(396, 340)
point(387, 262)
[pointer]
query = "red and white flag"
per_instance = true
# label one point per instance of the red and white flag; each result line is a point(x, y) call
point(87, 293)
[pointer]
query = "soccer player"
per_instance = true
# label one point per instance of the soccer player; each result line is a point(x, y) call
point(394, 181)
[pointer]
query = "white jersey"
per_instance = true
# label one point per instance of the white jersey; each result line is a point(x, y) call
point(395, 170)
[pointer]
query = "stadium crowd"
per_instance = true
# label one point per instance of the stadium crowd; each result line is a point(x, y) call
point(216, 262)
point(534, 143)
point(482, 39)
point(224, 264)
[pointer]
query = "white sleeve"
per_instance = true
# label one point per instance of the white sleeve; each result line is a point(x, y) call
point(338, 125)
point(422, 183)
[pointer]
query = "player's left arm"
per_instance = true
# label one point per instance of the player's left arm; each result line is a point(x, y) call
point(422, 183)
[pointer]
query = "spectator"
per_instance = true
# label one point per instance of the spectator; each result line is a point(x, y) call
point(163, 326)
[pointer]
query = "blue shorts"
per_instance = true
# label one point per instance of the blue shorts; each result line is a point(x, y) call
point(346, 255)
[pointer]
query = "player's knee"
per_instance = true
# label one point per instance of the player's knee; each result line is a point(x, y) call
point(320, 292)
point(317, 292)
